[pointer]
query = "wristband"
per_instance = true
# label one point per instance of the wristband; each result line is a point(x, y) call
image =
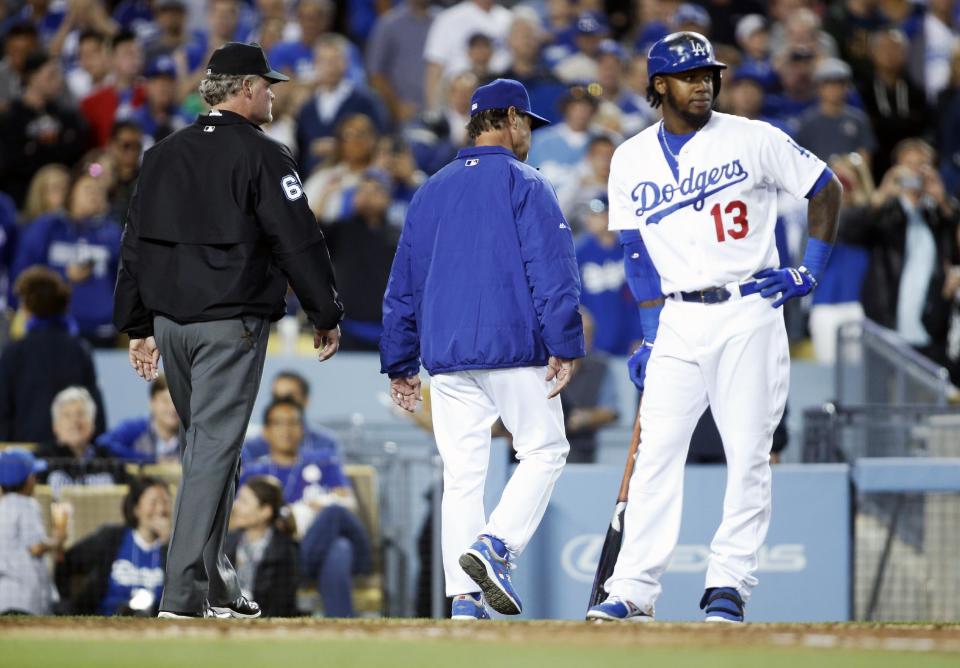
point(816, 256)
point(650, 321)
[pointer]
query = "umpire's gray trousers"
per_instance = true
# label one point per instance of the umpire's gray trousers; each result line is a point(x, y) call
point(213, 370)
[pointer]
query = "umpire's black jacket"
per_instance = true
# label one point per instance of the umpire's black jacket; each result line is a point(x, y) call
point(217, 226)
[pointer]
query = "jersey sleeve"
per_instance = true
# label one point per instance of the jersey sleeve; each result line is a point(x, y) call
point(295, 238)
point(786, 164)
point(642, 276)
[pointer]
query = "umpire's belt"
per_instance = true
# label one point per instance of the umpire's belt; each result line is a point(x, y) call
point(720, 294)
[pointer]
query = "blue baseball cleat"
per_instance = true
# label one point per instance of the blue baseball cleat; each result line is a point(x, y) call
point(722, 604)
point(616, 609)
point(468, 607)
point(487, 562)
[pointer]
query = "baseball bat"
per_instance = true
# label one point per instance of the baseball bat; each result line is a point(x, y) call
point(611, 544)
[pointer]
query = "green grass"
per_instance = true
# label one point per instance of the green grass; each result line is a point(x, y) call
point(308, 653)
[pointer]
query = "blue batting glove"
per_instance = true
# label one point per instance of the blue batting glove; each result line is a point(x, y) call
point(637, 364)
point(789, 282)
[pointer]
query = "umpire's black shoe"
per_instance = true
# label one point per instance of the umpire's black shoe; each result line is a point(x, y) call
point(238, 609)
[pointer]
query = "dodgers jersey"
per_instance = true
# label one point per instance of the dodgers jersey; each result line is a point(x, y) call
point(708, 218)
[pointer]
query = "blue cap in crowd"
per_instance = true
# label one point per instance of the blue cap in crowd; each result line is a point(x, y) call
point(592, 23)
point(503, 94)
point(609, 47)
point(161, 66)
point(16, 465)
point(691, 13)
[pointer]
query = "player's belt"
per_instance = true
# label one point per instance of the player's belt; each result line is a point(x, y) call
point(720, 294)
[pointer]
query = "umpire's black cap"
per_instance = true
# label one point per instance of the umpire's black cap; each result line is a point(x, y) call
point(239, 59)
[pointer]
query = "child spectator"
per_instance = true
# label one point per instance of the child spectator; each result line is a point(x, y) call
point(148, 440)
point(118, 569)
point(25, 585)
point(262, 547)
point(50, 345)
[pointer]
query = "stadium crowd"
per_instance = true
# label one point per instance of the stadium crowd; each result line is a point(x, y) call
point(379, 101)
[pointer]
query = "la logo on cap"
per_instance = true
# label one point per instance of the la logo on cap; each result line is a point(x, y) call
point(474, 106)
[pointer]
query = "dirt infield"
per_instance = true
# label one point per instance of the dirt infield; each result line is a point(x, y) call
point(920, 638)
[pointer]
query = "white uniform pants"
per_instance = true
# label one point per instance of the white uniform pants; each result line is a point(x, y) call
point(465, 405)
point(735, 356)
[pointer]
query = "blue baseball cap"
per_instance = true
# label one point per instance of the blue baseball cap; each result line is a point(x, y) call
point(592, 23)
point(691, 13)
point(503, 94)
point(161, 66)
point(16, 465)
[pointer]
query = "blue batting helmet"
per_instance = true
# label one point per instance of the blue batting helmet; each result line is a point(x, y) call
point(681, 52)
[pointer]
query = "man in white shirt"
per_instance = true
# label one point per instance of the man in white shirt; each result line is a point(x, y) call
point(446, 48)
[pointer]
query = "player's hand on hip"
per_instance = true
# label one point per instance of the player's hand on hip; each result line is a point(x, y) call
point(637, 363)
point(788, 282)
point(562, 371)
point(405, 392)
point(327, 341)
point(145, 357)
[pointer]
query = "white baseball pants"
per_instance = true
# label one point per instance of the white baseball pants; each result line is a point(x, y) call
point(465, 405)
point(735, 356)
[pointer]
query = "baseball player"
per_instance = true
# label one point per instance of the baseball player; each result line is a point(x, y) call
point(695, 197)
point(484, 289)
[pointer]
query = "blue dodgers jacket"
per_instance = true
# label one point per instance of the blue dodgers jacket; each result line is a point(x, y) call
point(485, 275)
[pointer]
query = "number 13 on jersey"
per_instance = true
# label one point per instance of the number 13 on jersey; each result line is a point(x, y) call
point(740, 226)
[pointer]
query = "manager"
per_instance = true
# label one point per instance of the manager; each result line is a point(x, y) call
point(217, 227)
point(484, 291)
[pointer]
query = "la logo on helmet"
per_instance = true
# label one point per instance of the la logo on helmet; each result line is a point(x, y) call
point(698, 49)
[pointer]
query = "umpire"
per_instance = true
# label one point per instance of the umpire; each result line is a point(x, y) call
point(217, 227)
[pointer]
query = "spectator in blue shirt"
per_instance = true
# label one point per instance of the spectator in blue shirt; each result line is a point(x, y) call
point(84, 247)
point(294, 387)
point(753, 38)
point(118, 569)
point(603, 284)
point(557, 149)
point(294, 56)
point(148, 440)
point(160, 115)
point(333, 543)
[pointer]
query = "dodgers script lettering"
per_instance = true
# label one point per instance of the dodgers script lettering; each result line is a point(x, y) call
point(695, 188)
